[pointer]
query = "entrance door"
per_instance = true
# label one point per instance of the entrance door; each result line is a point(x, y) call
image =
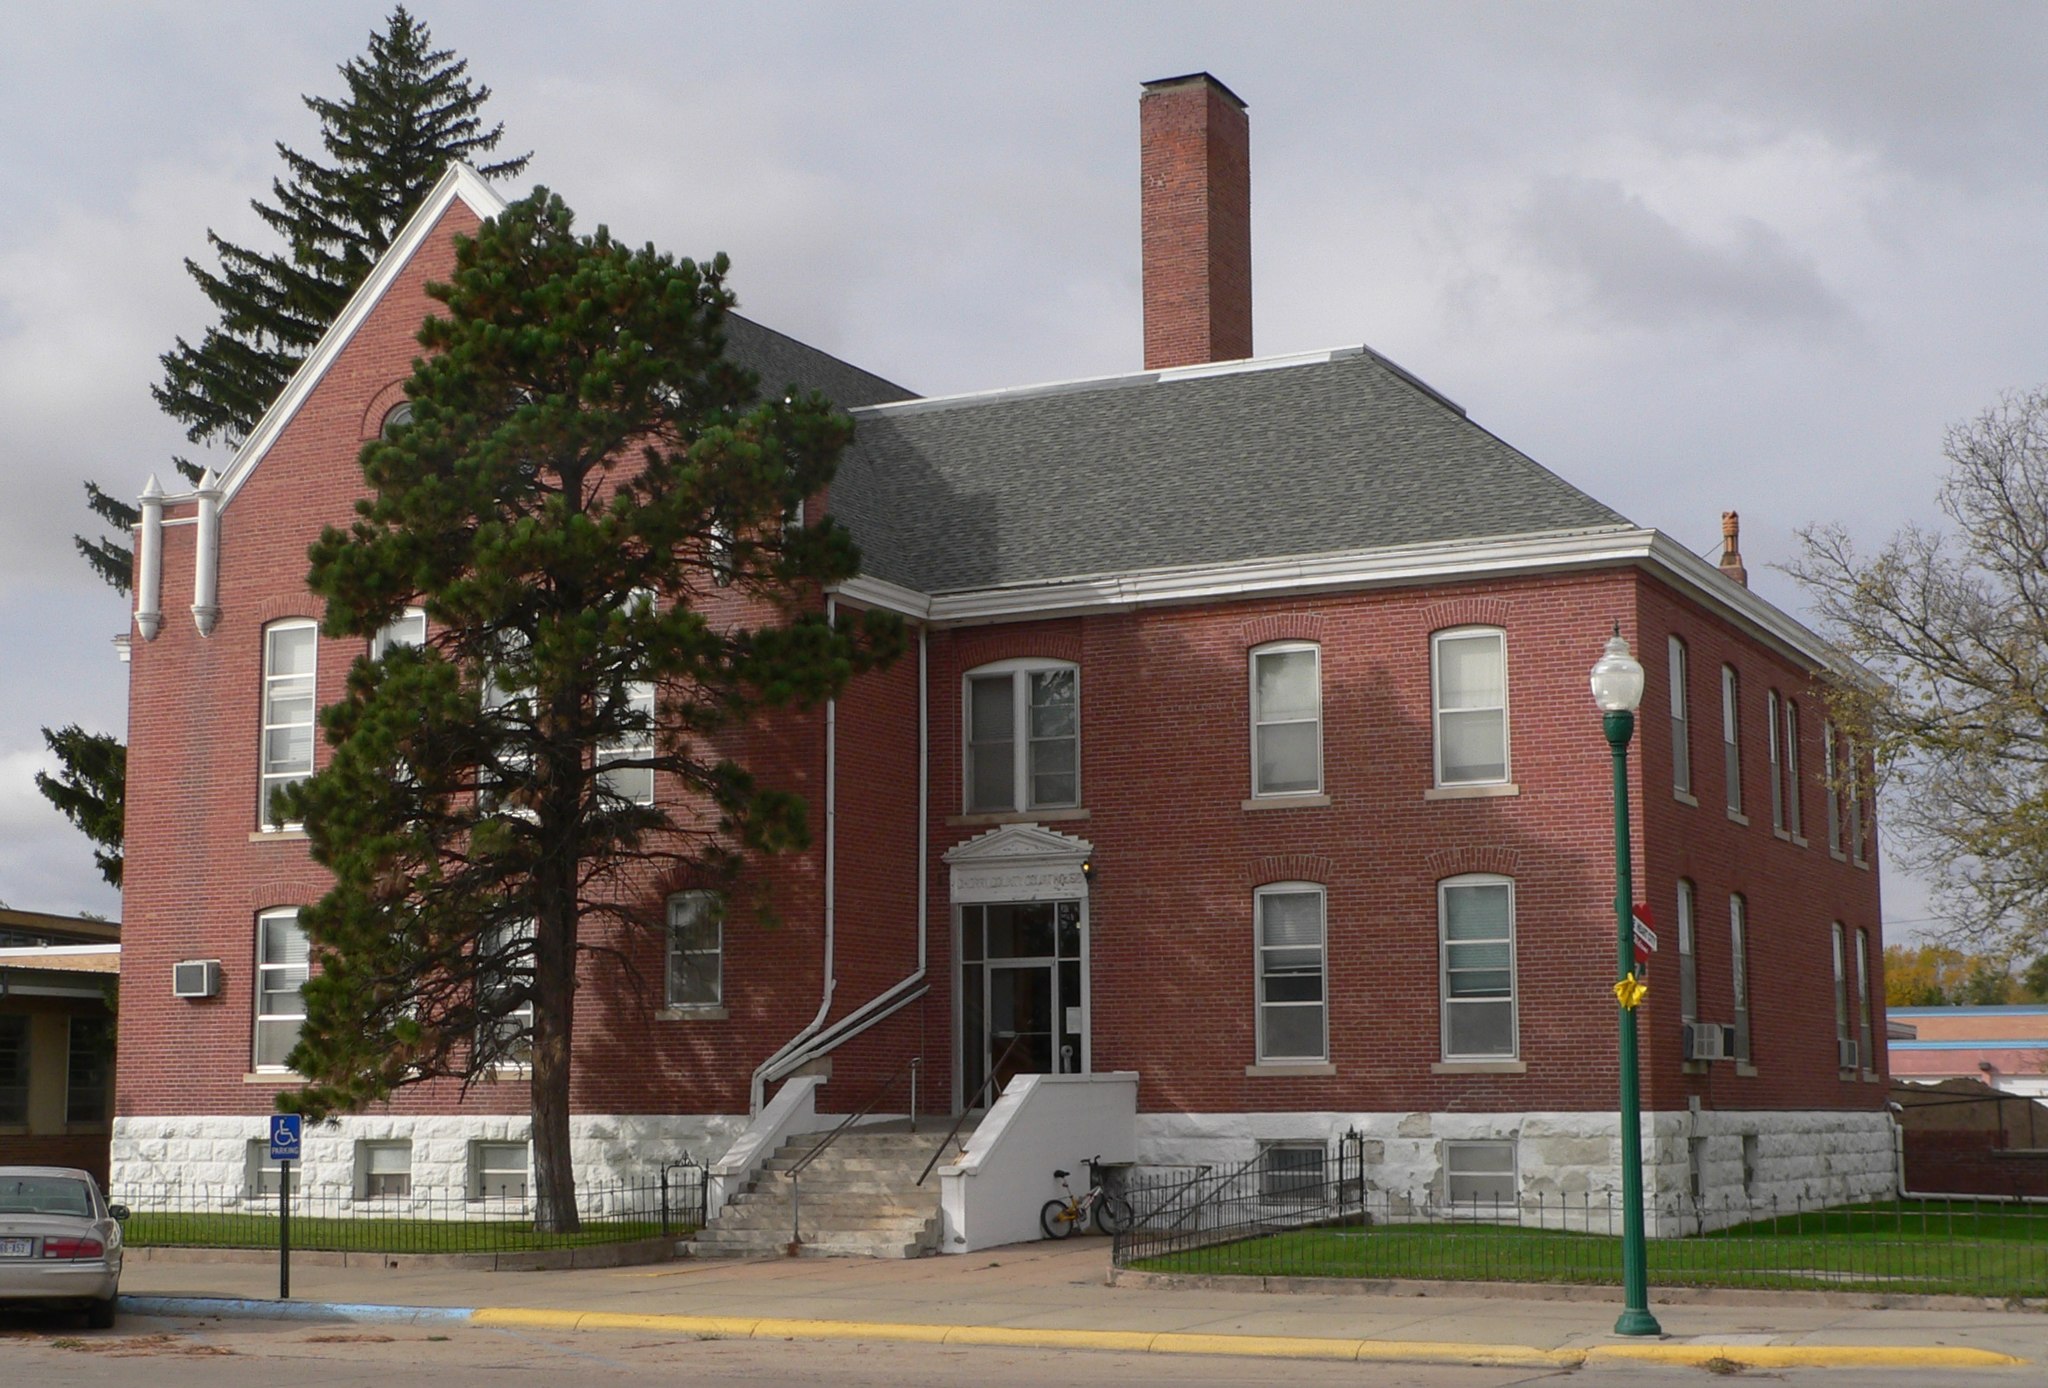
point(1022, 1010)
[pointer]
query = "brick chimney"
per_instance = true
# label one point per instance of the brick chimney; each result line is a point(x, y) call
point(1731, 548)
point(1196, 179)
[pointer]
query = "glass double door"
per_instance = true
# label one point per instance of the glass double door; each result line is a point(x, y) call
point(1021, 1009)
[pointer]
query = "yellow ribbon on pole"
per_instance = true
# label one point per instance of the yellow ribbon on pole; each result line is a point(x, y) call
point(1630, 991)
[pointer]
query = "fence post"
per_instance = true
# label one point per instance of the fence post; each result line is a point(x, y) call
point(664, 1202)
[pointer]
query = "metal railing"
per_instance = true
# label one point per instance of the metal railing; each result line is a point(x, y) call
point(1280, 1216)
point(967, 1109)
point(796, 1170)
point(422, 1219)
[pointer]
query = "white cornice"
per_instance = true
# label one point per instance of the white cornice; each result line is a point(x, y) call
point(460, 183)
point(1402, 566)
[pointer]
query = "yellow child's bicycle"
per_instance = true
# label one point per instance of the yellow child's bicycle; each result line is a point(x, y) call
point(1112, 1213)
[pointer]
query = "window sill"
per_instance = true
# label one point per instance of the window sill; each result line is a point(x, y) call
point(1488, 792)
point(965, 821)
point(698, 1013)
point(1685, 798)
point(1745, 1070)
point(1848, 1076)
point(1692, 1067)
point(1286, 802)
point(1480, 1067)
point(273, 1077)
point(1273, 1070)
point(1798, 841)
point(1778, 833)
point(1838, 855)
point(1872, 1077)
point(291, 833)
point(1738, 817)
point(1860, 863)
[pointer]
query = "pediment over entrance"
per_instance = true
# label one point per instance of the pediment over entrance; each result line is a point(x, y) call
point(1019, 862)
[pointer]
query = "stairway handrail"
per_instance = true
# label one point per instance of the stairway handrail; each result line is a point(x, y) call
point(968, 1107)
point(912, 1065)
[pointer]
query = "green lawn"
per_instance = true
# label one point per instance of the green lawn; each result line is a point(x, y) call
point(1913, 1246)
point(313, 1233)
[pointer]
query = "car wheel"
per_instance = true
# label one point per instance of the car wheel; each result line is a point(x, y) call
point(100, 1315)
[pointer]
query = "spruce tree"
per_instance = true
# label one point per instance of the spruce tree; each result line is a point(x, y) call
point(409, 109)
point(599, 514)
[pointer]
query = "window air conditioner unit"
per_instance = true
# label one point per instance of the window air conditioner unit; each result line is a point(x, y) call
point(195, 978)
point(1849, 1056)
point(1709, 1041)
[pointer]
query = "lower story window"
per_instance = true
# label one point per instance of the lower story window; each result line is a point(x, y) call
point(383, 1169)
point(1293, 1011)
point(497, 1171)
point(264, 1174)
point(1479, 1173)
point(87, 1068)
point(696, 937)
point(14, 1070)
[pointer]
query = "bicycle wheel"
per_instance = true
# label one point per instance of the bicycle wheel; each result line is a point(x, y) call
point(1057, 1219)
point(1113, 1214)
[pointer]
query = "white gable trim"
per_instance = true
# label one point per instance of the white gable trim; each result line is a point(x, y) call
point(460, 183)
point(1019, 862)
point(1402, 566)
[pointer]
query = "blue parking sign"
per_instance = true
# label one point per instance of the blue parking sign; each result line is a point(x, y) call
point(284, 1136)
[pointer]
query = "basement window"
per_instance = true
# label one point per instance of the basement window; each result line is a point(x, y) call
point(1479, 1173)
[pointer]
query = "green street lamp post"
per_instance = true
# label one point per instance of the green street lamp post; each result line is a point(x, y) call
point(1618, 690)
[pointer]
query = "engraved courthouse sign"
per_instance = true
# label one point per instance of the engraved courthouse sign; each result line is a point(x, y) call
point(1019, 862)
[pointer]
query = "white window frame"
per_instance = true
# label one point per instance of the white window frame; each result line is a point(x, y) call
point(491, 941)
point(1260, 951)
point(1475, 1147)
point(677, 960)
point(638, 781)
point(1681, 721)
point(1283, 1185)
point(1445, 1002)
point(1738, 964)
point(1020, 672)
point(486, 1160)
point(1438, 710)
point(1688, 951)
point(266, 969)
point(1795, 821)
point(273, 776)
point(261, 1175)
point(1260, 722)
point(1774, 703)
point(1865, 1056)
point(408, 629)
point(1731, 737)
point(1841, 951)
point(369, 1182)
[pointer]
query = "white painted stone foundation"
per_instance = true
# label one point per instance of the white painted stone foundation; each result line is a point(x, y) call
point(1569, 1164)
point(210, 1154)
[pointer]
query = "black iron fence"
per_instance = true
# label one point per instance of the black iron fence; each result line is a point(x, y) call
point(1294, 1212)
point(416, 1220)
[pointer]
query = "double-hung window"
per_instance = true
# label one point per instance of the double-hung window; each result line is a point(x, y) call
point(1772, 707)
point(1287, 719)
point(1864, 1040)
point(1794, 822)
point(1830, 769)
point(1738, 961)
point(14, 1069)
point(1476, 920)
point(287, 751)
point(696, 949)
point(1681, 725)
point(88, 1069)
point(505, 966)
point(1688, 956)
point(1731, 737)
point(1293, 1013)
point(1469, 680)
point(1023, 736)
point(408, 628)
point(281, 959)
point(635, 742)
point(1841, 987)
point(1852, 775)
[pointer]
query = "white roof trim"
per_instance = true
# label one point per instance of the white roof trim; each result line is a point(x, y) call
point(460, 183)
point(1404, 565)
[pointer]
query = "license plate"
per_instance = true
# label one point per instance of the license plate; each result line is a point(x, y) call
point(16, 1248)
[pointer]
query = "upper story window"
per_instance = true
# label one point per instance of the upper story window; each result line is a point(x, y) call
point(395, 418)
point(1476, 924)
point(1830, 770)
point(1681, 724)
point(281, 963)
point(1293, 1015)
point(1287, 719)
point(289, 649)
point(635, 742)
point(409, 628)
point(1773, 708)
point(1469, 677)
point(1731, 737)
point(1852, 776)
point(1023, 736)
point(1794, 821)
point(505, 993)
point(696, 949)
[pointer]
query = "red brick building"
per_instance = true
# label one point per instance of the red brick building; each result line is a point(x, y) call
point(1244, 747)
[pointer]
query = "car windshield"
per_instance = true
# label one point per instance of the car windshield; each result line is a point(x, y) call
point(49, 1195)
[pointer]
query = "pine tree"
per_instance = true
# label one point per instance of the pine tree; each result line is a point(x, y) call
point(410, 108)
point(584, 479)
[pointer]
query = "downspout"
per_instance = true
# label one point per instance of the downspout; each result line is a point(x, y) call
point(846, 1028)
point(760, 1079)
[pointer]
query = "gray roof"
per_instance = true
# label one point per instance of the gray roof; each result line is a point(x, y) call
point(1274, 460)
point(782, 361)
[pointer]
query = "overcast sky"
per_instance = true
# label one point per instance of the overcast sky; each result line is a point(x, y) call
point(1691, 258)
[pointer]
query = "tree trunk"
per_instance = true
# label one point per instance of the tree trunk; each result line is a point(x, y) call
point(554, 1008)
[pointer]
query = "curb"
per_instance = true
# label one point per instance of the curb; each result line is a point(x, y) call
point(1126, 1341)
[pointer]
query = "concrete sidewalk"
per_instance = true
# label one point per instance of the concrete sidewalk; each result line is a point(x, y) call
point(1058, 1296)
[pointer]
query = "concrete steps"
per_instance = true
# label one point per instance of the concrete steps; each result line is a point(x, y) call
point(860, 1198)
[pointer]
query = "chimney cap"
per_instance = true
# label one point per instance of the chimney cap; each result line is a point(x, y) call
point(1159, 83)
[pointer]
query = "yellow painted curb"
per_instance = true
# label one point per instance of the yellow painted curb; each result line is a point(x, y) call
point(1256, 1346)
point(1812, 1356)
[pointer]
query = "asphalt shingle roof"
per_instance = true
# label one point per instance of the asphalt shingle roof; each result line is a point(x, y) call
point(782, 361)
point(1153, 471)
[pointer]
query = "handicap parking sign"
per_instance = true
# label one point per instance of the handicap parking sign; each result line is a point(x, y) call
point(284, 1136)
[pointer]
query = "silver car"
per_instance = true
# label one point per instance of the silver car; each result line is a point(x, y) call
point(60, 1243)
